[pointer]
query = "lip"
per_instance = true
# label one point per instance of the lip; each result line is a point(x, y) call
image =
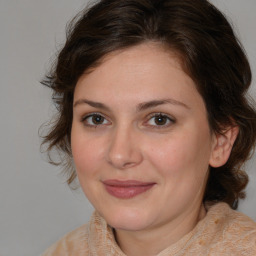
point(126, 189)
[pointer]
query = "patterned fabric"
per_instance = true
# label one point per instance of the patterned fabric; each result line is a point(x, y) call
point(223, 232)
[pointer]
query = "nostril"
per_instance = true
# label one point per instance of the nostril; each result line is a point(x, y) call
point(129, 165)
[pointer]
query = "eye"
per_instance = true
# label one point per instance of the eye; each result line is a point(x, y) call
point(94, 119)
point(159, 119)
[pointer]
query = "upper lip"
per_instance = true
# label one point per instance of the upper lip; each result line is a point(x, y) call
point(127, 183)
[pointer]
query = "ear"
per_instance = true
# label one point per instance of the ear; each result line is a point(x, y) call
point(222, 145)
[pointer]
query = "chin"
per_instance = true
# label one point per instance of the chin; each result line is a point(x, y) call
point(127, 219)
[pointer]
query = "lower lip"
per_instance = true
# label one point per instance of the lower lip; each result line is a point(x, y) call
point(126, 192)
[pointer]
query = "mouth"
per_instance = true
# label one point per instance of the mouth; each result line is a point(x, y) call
point(126, 189)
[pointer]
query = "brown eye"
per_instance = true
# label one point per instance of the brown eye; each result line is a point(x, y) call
point(95, 120)
point(160, 120)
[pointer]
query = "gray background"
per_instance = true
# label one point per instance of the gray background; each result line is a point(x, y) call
point(36, 206)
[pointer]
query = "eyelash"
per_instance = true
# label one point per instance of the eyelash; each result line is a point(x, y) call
point(85, 119)
point(168, 119)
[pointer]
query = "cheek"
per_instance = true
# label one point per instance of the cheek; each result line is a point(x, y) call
point(183, 154)
point(86, 153)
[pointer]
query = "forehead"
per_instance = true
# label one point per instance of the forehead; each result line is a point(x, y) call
point(139, 73)
point(132, 53)
point(151, 56)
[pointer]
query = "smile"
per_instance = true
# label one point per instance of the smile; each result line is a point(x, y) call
point(126, 189)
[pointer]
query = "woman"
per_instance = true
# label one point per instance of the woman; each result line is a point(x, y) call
point(153, 113)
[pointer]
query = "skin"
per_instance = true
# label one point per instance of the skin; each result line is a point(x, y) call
point(125, 141)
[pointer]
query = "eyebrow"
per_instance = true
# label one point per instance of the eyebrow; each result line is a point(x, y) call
point(91, 103)
point(140, 107)
point(155, 103)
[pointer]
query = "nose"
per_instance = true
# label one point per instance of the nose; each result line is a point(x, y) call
point(124, 149)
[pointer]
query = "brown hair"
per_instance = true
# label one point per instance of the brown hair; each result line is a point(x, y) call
point(210, 53)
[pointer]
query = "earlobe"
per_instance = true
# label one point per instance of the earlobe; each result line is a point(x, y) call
point(222, 146)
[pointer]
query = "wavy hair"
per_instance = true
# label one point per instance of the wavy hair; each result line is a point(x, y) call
point(210, 54)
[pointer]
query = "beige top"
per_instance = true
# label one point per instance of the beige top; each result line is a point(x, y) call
point(222, 232)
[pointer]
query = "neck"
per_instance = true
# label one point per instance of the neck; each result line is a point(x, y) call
point(155, 239)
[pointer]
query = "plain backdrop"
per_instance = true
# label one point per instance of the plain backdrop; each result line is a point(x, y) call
point(36, 206)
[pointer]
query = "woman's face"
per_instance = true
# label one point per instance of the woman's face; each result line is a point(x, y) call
point(140, 139)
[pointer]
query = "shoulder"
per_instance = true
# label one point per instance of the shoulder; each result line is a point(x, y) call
point(93, 238)
point(235, 233)
point(73, 243)
point(231, 221)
